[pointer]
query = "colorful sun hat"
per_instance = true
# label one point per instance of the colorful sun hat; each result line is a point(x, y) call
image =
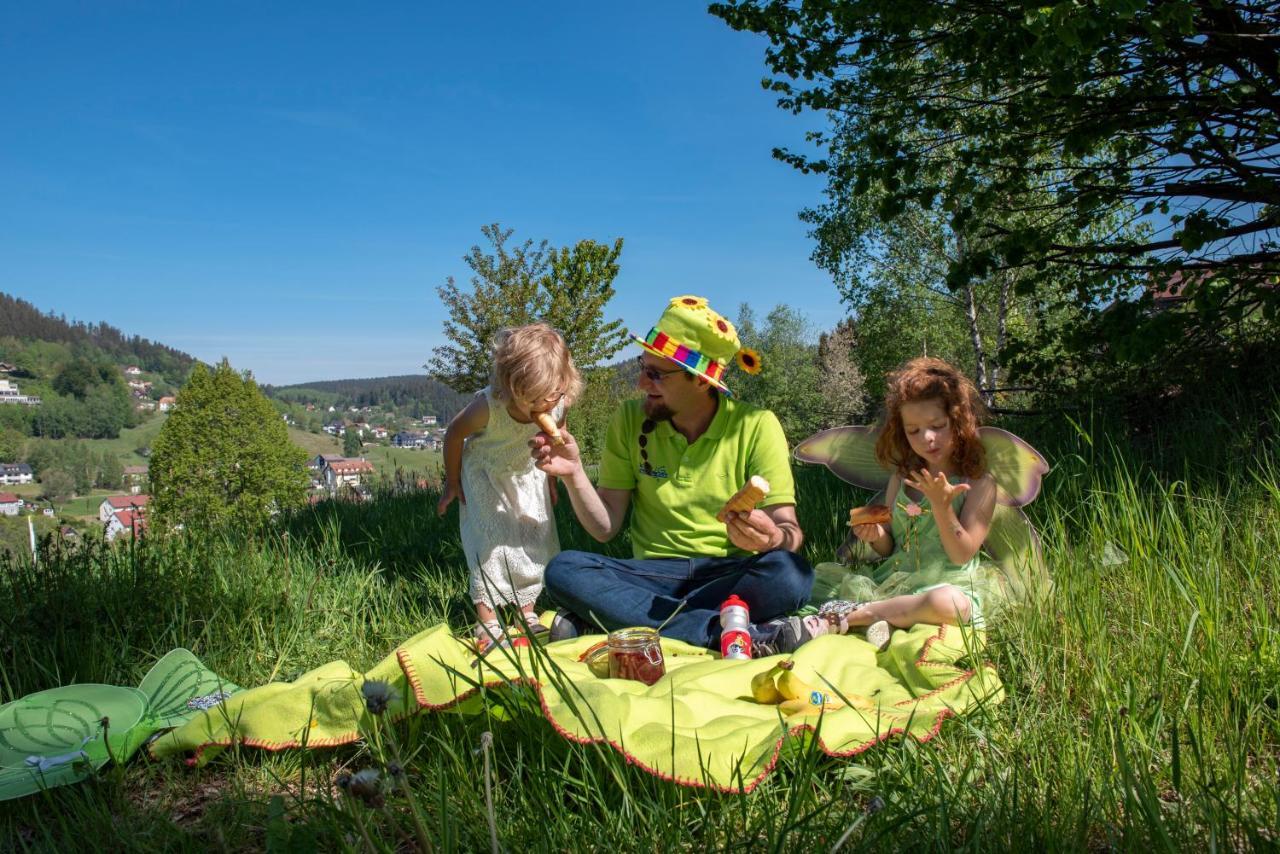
point(691, 334)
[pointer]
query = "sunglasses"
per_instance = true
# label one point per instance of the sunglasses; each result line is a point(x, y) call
point(653, 374)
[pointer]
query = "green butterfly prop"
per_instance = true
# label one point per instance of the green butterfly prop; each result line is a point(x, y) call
point(65, 734)
point(1012, 543)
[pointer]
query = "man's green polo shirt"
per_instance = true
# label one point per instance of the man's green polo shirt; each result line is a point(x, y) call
point(673, 510)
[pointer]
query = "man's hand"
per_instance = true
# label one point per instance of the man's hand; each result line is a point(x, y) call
point(556, 460)
point(754, 531)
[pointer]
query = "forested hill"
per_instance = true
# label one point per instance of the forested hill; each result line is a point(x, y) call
point(414, 394)
point(21, 320)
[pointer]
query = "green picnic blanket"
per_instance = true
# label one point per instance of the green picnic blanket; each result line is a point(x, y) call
point(696, 726)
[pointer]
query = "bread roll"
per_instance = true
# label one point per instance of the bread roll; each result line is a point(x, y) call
point(745, 499)
point(872, 514)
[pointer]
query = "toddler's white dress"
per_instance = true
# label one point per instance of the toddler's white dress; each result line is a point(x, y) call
point(508, 531)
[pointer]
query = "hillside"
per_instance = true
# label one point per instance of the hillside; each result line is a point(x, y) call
point(410, 395)
point(23, 322)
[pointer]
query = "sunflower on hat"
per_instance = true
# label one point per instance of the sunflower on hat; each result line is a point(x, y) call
point(748, 360)
point(689, 301)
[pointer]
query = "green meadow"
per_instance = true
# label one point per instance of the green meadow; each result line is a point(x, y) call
point(1141, 709)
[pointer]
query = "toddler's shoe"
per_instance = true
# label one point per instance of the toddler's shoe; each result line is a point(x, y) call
point(879, 634)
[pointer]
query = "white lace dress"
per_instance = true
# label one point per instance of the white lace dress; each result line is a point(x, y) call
point(508, 531)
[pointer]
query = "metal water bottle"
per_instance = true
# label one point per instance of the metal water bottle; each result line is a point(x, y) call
point(734, 619)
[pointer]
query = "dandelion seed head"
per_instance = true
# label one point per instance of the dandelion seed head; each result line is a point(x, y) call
point(378, 695)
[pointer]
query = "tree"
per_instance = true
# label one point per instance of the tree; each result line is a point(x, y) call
point(513, 286)
point(12, 443)
point(57, 486)
point(840, 377)
point(351, 444)
point(1052, 119)
point(224, 457)
point(789, 382)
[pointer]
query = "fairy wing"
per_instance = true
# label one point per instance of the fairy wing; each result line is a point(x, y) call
point(1014, 545)
point(1017, 467)
point(849, 452)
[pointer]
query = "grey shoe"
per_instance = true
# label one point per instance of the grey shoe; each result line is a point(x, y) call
point(566, 625)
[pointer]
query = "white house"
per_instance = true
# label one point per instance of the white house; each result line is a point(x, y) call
point(10, 504)
point(167, 402)
point(9, 393)
point(346, 472)
point(127, 523)
point(115, 504)
point(410, 439)
point(11, 473)
point(133, 371)
point(135, 477)
point(428, 421)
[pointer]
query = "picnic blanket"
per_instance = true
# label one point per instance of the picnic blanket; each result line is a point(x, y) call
point(63, 735)
point(696, 726)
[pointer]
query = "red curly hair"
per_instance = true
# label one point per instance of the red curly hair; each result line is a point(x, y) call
point(932, 379)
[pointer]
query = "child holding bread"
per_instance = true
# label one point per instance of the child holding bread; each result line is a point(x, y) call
point(505, 502)
point(938, 508)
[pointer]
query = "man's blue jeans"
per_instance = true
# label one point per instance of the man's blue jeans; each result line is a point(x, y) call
point(617, 593)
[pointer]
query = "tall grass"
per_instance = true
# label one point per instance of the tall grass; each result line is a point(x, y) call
point(1141, 710)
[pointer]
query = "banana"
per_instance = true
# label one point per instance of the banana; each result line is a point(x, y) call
point(799, 696)
point(791, 686)
point(763, 690)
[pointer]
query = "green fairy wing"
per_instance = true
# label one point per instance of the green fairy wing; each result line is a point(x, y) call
point(1014, 545)
point(55, 737)
point(1017, 467)
point(850, 453)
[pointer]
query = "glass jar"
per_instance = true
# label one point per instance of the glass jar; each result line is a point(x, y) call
point(636, 654)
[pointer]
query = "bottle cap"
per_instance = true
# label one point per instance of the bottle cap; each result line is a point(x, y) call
point(733, 602)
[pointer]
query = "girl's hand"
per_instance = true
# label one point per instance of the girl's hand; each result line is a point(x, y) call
point(869, 533)
point(936, 488)
point(451, 491)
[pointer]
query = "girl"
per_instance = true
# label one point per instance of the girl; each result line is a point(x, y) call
point(508, 533)
point(942, 500)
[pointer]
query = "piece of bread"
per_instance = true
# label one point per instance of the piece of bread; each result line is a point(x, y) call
point(872, 514)
point(745, 499)
point(548, 425)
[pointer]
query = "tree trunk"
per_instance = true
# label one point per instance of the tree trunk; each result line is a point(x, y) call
point(975, 337)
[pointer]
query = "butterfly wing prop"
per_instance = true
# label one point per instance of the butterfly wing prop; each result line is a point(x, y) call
point(850, 453)
point(1017, 467)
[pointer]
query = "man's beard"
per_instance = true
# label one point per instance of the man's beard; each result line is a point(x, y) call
point(657, 411)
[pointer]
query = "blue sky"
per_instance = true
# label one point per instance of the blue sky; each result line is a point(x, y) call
point(287, 184)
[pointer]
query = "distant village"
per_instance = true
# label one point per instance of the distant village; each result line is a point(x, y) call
point(124, 515)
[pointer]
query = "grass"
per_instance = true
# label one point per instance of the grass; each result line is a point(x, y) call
point(1141, 710)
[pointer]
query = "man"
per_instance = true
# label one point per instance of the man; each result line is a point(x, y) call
point(674, 458)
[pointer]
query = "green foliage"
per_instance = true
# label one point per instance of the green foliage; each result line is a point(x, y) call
point(351, 443)
point(604, 390)
point(224, 456)
point(790, 379)
point(1036, 130)
point(12, 445)
point(87, 466)
point(527, 283)
point(57, 485)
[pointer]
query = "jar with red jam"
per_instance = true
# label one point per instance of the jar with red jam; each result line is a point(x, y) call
point(636, 654)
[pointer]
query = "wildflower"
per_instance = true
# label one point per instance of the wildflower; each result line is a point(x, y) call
point(366, 786)
point(378, 695)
